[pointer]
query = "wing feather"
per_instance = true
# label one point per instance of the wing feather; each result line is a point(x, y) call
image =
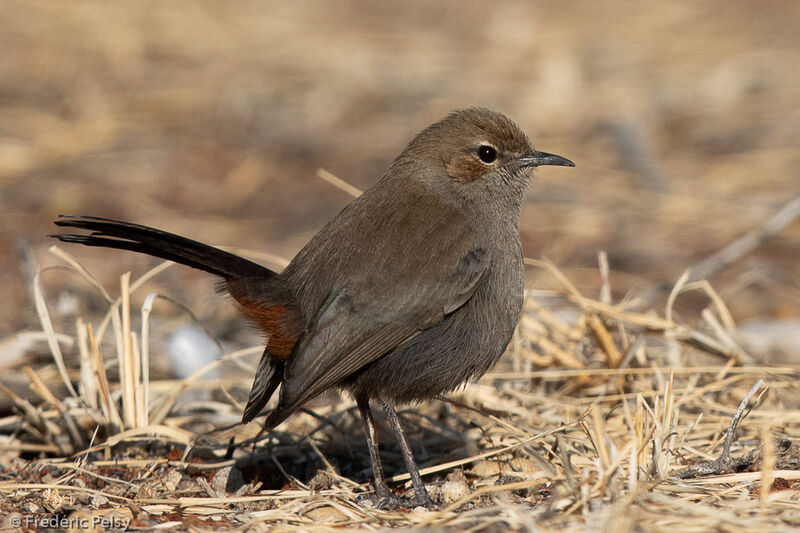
point(404, 275)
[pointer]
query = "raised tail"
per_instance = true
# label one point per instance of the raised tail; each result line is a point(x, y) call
point(266, 303)
point(110, 233)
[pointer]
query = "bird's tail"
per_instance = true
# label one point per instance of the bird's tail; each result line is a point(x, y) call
point(110, 233)
point(241, 277)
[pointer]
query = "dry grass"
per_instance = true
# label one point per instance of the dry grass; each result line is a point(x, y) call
point(596, 419)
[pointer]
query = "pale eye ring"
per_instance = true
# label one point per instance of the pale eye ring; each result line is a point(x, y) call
point(487, 154)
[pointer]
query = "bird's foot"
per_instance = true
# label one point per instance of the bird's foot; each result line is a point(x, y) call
point(390, 503)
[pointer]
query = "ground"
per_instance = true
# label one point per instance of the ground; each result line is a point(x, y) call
point(217, 121)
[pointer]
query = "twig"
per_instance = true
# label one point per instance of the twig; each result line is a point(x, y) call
point(724, 464)
point(735, 250)
point(338, 182)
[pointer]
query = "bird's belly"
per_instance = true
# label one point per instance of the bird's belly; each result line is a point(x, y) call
point(441, 358)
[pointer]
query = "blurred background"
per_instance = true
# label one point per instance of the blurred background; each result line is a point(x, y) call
point(211, 119)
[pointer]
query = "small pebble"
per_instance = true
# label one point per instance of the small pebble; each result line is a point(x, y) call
point(173, 478)
point(98, 500)
point(28, 507)
point(227, 479)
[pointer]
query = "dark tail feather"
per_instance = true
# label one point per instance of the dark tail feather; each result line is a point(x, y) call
point(276, 416)
point(268, 376)
point(110, 233)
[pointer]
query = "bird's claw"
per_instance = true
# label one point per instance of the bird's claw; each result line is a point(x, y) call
point(390, 503)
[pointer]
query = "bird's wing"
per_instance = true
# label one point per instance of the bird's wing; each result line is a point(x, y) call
point(357, 325)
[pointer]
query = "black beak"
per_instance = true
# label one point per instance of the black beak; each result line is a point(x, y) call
point(537, 159)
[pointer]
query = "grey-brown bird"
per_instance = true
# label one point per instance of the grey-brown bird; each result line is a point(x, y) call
point(410, 291)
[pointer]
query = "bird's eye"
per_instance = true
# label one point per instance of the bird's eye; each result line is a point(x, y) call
point(487, 154)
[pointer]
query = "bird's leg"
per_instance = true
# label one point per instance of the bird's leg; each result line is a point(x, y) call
point(420, 491)
point(381, 489)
